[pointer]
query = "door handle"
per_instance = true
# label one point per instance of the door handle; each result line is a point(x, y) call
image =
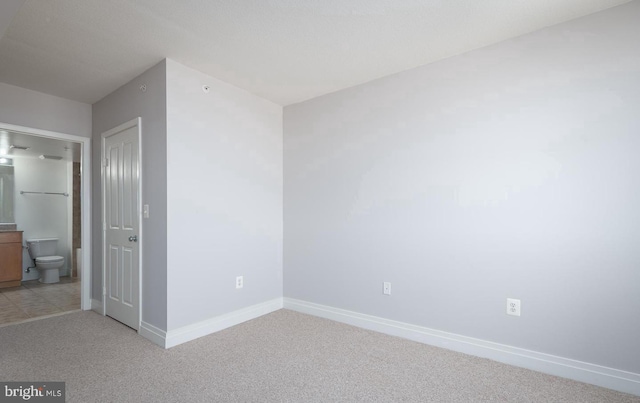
point(133, 238)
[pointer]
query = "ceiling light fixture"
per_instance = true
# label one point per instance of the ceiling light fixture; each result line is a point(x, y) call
point(13, 146)
point(50, 157)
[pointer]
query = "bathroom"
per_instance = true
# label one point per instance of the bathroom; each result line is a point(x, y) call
point(40, 193)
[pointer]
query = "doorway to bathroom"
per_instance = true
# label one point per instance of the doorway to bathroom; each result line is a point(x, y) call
point(49, 193)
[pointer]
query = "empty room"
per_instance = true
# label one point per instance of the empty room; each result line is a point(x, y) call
point(318, 201)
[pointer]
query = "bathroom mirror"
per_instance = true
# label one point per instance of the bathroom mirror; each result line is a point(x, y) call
point(6, 194)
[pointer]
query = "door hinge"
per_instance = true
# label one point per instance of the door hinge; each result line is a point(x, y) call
point(104, 290)
point(106, 162)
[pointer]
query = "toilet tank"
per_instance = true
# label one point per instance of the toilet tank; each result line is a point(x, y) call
point(42, 247)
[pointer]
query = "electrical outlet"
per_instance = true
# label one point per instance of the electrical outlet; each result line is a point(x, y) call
point(513, 307)
point(386, 288)
point(239, 282)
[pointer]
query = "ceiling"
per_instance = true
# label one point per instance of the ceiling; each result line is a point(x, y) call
point(37, 146)
point(286, 51)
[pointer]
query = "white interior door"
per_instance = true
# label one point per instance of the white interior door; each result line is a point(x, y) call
point(122, 223)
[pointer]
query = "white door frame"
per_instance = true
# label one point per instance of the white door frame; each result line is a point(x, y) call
point(85, 201)
point(127, 125)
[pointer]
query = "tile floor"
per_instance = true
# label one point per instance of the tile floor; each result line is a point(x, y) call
point(34, 299)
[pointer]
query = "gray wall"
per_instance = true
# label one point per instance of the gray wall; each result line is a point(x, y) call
point(510, 171)
point(124, 104)
point(22, 107)
point(224, 191)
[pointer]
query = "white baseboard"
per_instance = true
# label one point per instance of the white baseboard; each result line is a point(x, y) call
point(184, 334)
point(96, 305)
point(152, 333)
point(611, 378)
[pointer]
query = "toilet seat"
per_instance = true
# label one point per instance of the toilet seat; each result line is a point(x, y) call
point(49, 259)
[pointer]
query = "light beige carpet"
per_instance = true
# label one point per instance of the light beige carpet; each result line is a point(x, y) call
point(281, 357)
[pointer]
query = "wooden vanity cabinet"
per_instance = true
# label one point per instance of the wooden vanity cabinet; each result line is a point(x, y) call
point(10, 258)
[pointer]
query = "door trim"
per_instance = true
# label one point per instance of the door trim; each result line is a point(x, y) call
point(136, 122)
point(85, 201)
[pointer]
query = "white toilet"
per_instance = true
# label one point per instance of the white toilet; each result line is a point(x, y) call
point(43, 251)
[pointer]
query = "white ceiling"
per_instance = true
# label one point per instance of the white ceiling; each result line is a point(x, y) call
point(69, 151)
point(283, 50)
